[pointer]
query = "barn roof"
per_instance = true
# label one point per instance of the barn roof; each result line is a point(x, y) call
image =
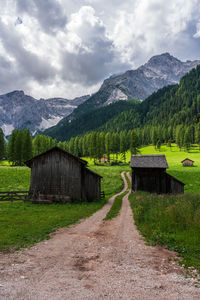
point(149, 161)
point(187, 159)
point(54, 149)
point(90, 171)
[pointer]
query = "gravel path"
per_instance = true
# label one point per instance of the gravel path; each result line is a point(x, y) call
point(95, 260)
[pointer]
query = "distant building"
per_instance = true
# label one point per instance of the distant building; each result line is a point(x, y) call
point(187, 162)
point(58, 176)
point(149, 174)
point(103, 159)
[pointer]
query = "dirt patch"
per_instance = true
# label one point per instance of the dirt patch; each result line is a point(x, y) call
point(95, 259)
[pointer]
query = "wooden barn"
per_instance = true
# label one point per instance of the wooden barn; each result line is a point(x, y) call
point(149, 174)
point(187, 162)
point(58, 176)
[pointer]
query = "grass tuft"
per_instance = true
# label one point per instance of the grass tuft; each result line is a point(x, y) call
point(116, 207)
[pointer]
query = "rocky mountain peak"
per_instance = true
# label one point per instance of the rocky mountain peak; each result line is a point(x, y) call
point(16, 94)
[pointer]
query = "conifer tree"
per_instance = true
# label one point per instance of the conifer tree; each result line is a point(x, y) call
point(2, 144)
point(27, 151)
point(108, 144)
point(123, 145)
point(187, 140)
point(134, 143)
point(11, 153)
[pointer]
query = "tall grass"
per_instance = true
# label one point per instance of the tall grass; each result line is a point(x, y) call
point(170, 220)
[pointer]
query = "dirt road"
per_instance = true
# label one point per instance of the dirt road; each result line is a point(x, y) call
point(95, 260)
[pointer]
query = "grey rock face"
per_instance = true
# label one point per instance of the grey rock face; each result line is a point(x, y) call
point(18, 110)
point(159, 71)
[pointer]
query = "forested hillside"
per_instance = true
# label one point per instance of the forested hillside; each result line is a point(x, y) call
point(169, 106)
point(91, 120)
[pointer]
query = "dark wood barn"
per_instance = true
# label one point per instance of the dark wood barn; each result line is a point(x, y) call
point(187, 162)
point(149, 174)
point(58, 176)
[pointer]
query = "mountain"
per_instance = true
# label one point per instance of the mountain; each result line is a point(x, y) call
point(161, 70)
point(18, 110)
point(168, 107)
point(72, 117)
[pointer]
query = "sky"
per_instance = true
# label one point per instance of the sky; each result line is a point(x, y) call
point(66, 48)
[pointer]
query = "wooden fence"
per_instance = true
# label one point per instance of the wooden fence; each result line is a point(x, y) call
point(103, 195)
point(14, 196)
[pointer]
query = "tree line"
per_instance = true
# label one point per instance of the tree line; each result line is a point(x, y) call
point(112, 145)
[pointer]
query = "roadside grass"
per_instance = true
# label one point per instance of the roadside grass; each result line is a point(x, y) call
point(23, 224)
point(117, 204)
point(170, 220)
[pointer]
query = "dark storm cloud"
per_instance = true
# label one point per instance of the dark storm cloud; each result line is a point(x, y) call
point(49, 13)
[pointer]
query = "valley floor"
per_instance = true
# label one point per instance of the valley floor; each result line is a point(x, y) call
point(95, 259)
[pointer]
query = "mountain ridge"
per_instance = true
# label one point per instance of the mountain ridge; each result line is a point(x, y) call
point(18, 110)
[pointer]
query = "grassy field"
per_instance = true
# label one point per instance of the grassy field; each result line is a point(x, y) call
point(170, 220)
point(23, 224)
point(14, 178)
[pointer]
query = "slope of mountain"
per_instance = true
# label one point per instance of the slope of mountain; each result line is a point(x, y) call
point(159, 71)
point(91, 120)
point(18, 110)
point(169, 106)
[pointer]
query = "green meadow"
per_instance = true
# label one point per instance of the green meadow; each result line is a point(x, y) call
point(23, 224)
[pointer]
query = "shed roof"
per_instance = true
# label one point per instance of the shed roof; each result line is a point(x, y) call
point(149, 161)
point(187, 159)
point(54, 149)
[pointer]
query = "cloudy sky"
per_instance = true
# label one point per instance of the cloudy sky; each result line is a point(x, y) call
point(66, 48)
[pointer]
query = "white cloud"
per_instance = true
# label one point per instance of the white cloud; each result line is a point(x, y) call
point(197, 34)
point(66, 48)
point(88, 54)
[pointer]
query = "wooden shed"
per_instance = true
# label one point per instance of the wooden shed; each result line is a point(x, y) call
point(58, 176)
point(187, 162)
point(149, 174)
